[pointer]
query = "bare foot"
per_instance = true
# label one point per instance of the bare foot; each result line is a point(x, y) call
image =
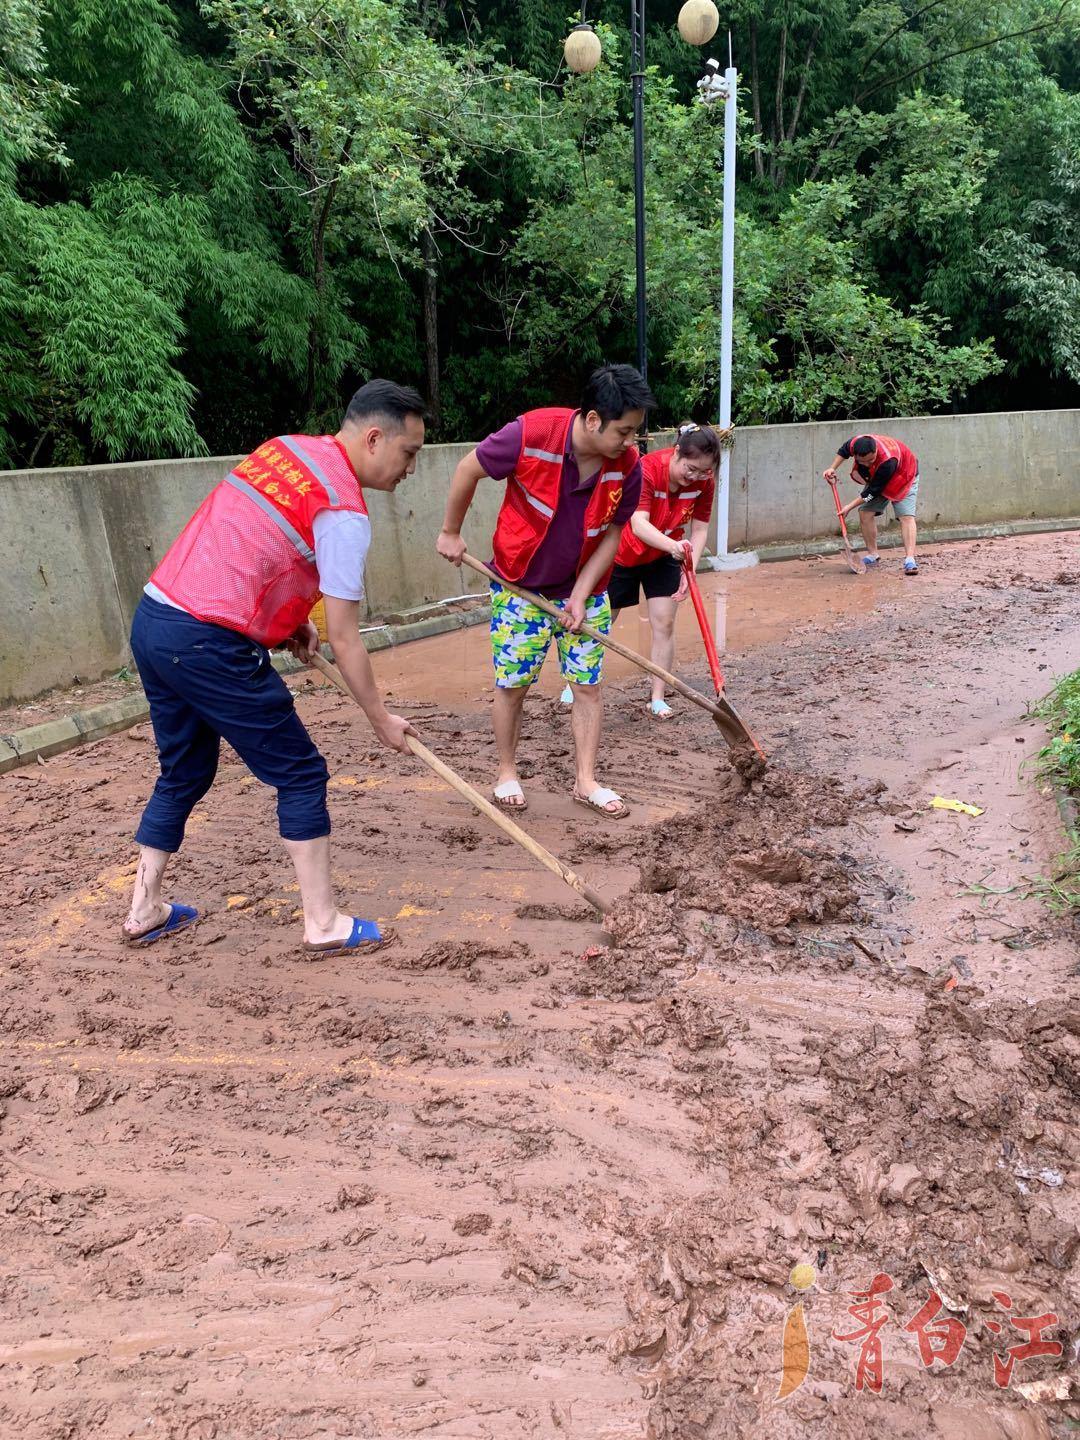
point(340, 928)
point(147, 920)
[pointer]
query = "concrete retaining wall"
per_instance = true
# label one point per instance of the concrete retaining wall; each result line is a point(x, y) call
point(974, 470)
point(80, 543)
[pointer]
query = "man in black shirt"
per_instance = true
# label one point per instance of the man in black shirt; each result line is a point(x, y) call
point(888, 472)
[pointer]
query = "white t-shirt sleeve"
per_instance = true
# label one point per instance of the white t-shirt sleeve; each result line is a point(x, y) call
point(342, 538)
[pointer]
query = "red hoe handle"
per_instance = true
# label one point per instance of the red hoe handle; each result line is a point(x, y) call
point(853, 564)
point(703, 621)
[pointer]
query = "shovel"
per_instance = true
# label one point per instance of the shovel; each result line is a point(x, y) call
point(703, 624)
point(734, 731)
point(537, 851)
point(853, 564)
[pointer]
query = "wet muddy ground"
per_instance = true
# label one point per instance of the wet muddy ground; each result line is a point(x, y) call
point(522, 1176)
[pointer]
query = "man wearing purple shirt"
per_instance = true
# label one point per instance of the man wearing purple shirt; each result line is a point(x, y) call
point(568, 566)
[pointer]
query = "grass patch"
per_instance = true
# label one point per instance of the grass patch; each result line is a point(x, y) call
point(1059, 762)
point(1061, 890)
point(1059, 759)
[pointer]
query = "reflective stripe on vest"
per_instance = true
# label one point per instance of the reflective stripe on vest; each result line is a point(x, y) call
point(229, 567)
point(315, 468)
point(533, 501)
point(665, 506)
point(268, 507)
point(888, 448)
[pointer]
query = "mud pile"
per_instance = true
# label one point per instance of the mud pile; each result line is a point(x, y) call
point(740, 872)
point(936, 1149)
point(935, 1163)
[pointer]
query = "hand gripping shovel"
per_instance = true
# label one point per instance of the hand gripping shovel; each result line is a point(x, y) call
point(853, 564)
point(537, 851)
point(723, 712)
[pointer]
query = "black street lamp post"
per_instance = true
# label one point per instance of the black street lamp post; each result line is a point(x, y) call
point(698, 23)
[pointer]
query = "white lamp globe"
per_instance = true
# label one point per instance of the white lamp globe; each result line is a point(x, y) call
point(699, 21)
point(582, 49)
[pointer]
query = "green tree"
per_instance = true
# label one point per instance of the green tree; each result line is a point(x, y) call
point(217, 215)
point(157, 216)
point(29, 101)
point(813, 338)
point(1035, 260)
point(378, 122)
point(29, 95)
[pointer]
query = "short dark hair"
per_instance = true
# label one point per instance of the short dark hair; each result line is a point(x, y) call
point(385, 400)
point(694, 439)
point(864, 445)
point(613, 389)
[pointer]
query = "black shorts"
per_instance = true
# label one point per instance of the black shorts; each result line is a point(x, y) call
point(655, 577)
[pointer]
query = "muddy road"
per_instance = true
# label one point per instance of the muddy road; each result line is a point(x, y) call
point(521, 1177)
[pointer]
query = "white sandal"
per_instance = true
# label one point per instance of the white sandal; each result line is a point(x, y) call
point(599, 800)
point(507, 791)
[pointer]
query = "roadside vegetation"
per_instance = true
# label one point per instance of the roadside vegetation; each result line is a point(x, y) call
point(1059, 763)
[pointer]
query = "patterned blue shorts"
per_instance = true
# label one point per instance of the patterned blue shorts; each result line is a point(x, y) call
point(521, 635)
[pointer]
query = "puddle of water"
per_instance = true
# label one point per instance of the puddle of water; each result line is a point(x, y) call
point(748, 608)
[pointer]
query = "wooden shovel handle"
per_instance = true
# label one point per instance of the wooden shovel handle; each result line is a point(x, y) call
point(733, 729)
point(496, 816)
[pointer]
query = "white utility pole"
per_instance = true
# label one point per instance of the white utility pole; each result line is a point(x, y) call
point(712, 87)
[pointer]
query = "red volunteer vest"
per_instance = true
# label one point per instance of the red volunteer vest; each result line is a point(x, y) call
point(246, 558)
point(670, 511)
point(908, 468)
point(532, 492)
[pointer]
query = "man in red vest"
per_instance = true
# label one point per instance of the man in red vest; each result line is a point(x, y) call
point(888, 471)
point(288, 523)
point(573, 478)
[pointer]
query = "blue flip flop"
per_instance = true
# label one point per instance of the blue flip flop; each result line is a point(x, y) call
point(181, 917)
point(364, 937)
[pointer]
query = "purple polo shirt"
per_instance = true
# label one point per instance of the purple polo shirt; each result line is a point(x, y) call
point(553, 569)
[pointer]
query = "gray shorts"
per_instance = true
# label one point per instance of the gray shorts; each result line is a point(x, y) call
point(906, 506)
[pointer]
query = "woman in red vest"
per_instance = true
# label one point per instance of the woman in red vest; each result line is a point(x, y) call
point(572, 482)
point(888, 471)
point(677, 488)
point(288, 523)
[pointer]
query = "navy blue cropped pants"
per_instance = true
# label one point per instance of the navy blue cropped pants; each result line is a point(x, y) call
point(205, 684)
